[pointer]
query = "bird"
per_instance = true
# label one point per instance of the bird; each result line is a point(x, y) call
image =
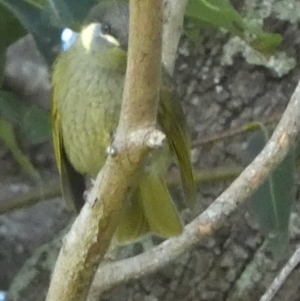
point(87, 83)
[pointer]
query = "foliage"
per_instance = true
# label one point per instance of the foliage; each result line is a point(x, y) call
point(272, 202)
point(220, 13)
point(33, 124)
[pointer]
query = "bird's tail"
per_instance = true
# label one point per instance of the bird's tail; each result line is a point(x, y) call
point(151, 210)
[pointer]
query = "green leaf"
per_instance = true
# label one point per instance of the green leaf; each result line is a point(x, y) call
point(266, 43)
point(36, 126)
point(37, 3)
point(10, 31)
point(8, 137)
point(220, 13)
point(34, 123)
point(30, 16)
point(11, 107)
point(68, 13)
point(26, 12)
point(272, 202)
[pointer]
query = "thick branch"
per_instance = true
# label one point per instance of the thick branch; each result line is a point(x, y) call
point(140, 99)
point(285, 135)
point(90, 236)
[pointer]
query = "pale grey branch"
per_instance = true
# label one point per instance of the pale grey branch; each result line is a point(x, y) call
point(282, 276)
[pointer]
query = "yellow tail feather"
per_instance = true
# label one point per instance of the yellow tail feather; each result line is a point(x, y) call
point(133, 223)
point(159, 209)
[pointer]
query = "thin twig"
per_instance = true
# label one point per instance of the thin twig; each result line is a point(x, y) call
point(50, 191)
point(207, 176)
point(249, 127)
point(282, 276)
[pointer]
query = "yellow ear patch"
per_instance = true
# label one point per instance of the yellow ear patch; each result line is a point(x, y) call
point(87, 35)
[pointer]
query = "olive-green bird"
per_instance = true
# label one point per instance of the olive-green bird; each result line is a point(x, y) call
point(88, 82)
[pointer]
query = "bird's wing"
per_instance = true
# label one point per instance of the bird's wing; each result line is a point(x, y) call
point(72, 182)
point(172, 120)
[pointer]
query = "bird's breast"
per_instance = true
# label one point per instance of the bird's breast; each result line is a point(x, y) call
point(89, 114)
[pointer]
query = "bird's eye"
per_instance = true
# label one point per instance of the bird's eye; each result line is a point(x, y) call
point(105, 28)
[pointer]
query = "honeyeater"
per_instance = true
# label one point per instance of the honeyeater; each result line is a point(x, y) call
point(88, 81)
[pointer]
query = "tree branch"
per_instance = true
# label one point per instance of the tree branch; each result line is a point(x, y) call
point(173, 21)
point(90, 236)
point(285, 134)
point(246, 128)
point(36, 195)
point(282, 276)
